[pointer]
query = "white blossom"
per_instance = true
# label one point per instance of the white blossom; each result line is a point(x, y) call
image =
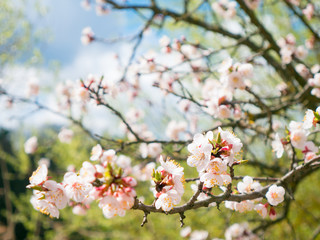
point(277, 146)
point(200, 149)
point(76, 187)
point(168, 200)
point(96, 152)
point(65, 135)
point(31, 145)
point(87, 172)
point(275, 195)
point(39, 176)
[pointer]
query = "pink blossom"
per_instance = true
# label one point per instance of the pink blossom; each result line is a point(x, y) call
point(101, 10)
point(244, 206)
point(85, 4)
point(308, 11)
point(171, 167)
point(87, 36)
point(79, 210)
point(88, 172)
point(211, 180)
point(168, 200)
point(248, 185)
point(199, 235)
point(272, 214)
point(185, 232)
point(232, 144)
point(261, 209)
point(56, 194)
point(33, 87)
point(76, 187)
point(111, 207)
point(240, 231)
point(200, 149)
point(65, 135)
point(315, 81)
point(96, 152)
point(298, 138)
point(277, 146)
point(31, 145)
point(302, 70)
point(44, 161)
point(39, 176)
point(175, 128)
point(310, 156)
point(45, 207)
point(308, 119)
point(152, 150)
point(108, 156)
point(301, 52)
point(164, 41)
point(275, 195)
point(144, 173)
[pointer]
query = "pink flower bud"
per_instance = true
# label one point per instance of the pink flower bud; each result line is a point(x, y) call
point(272, 213)
point(129, 181)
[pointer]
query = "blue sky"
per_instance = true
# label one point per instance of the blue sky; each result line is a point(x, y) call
point(66, 19)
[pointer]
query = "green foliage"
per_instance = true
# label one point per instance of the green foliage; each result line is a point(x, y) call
point(18, 33)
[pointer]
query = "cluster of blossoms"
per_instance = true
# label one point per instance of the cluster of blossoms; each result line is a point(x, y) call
point(87, 36)
point(180, 50)
point(146, 150)
point(99, 89)
point(244, 187)
point(73, 94)
point(275, 196)
point(297, 134)
point(235, 74)
point(218, 95)
point(289, 50)
point(48, 195)
point(177, 54)
point(315, 83)
point(308, 11)
point(168, 180)
point(134, 117)
point(95, 84)
point(187, 233)
point(212, 156)
point(174, 128)
point(107, 182)
point(65, 135)
point(303, 70)
point(240, 232)
point(100, 7)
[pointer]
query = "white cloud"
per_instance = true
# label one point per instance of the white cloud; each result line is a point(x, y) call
point(98, 60)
